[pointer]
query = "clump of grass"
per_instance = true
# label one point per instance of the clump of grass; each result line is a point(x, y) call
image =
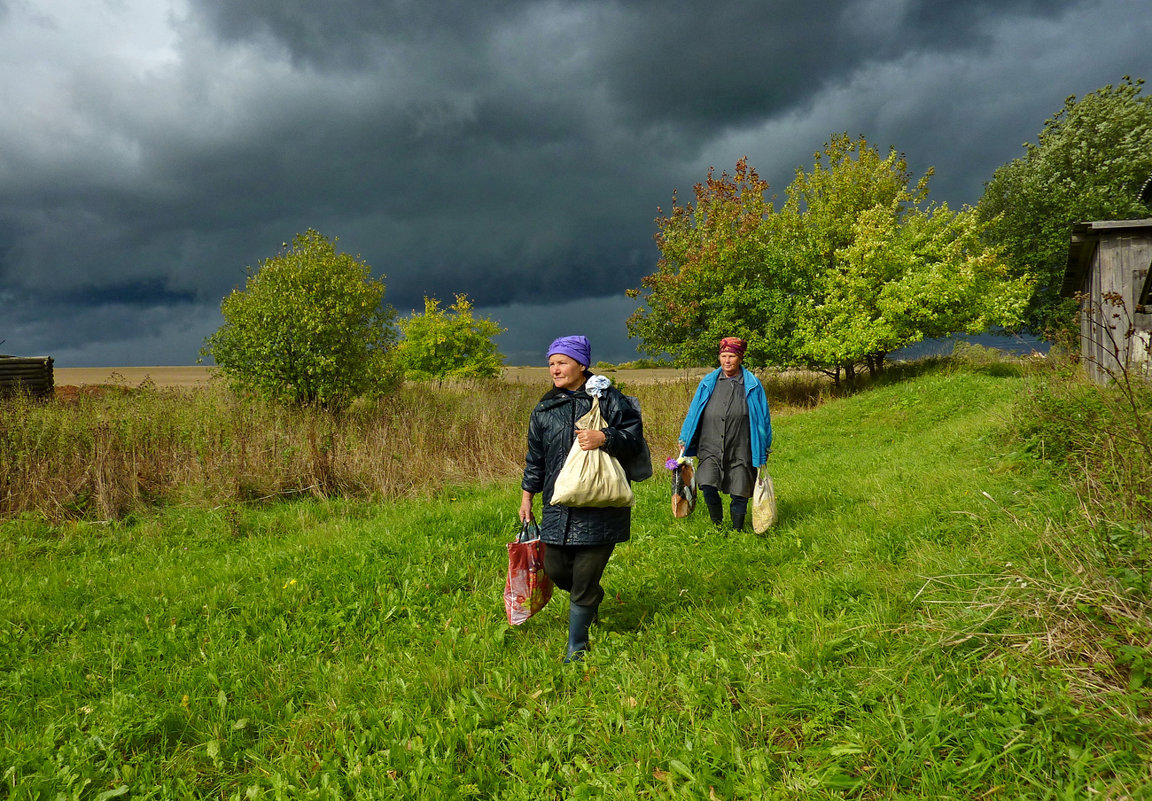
point(1100, 434)
point(791, 391)
point(1091, 599)
point(105, 455)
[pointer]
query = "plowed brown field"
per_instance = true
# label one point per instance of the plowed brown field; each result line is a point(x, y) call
point(132, 376)
point(198, 375)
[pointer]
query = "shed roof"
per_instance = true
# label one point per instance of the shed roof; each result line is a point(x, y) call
point(1082, 244)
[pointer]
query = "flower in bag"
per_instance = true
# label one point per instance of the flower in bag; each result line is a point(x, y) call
point(672, 463)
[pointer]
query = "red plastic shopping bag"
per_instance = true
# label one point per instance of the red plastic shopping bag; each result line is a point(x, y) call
point(528, 587)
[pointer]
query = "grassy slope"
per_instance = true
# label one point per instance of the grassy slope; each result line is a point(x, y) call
point(876, 644)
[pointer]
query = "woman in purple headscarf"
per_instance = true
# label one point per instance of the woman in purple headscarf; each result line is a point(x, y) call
point(577, 540)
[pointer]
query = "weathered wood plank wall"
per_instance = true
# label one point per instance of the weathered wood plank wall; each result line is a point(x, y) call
point(30, 375)
point(1111, 258)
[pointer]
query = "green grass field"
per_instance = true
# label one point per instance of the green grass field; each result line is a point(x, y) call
point(917, 626)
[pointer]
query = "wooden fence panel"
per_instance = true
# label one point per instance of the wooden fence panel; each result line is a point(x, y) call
point(31, 375)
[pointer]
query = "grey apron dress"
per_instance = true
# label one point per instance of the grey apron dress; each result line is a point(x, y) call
point(724, 450)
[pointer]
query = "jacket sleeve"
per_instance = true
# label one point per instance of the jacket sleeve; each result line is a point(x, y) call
point(760, 417)
point(692, 419)
point(534, 460)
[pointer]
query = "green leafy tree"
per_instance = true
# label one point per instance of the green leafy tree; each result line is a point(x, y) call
point(448, 343)
point(1089, 163)
point(886, 269)
point(309, 327)
point(851, 190)
point(720, 274)
point(906, 277)
point(853, 266)
point(952, 280)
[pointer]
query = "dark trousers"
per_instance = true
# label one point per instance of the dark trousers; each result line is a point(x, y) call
point(577, 569)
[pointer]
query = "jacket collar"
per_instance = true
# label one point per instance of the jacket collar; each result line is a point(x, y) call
point(749, 378)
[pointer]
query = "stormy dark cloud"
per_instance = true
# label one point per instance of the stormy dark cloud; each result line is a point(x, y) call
point(152, 150)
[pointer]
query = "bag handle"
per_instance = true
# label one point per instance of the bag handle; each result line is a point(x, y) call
point(594, 413)
point(529, 531)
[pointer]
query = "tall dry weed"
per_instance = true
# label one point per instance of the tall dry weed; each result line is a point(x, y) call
point(102, 455)
point(109, 451)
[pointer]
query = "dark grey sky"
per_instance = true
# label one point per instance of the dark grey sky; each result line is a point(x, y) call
point(151, 150)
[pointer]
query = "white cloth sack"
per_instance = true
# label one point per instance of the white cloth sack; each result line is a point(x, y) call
point(592, 478)
point(763, 502)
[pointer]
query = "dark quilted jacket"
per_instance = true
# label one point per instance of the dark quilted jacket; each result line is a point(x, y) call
point(551, 431)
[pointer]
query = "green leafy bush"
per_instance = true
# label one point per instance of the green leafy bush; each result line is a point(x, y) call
point(1099, 435)
point(310, 327)
point(448, 343)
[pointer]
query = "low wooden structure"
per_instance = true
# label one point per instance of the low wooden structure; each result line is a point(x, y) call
point(29, 375)
point(1108, 266)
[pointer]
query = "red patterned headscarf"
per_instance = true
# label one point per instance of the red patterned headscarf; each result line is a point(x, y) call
point(733, 345)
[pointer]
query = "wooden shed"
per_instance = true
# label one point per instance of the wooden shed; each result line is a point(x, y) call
point(31, 375)
point(1109, 260)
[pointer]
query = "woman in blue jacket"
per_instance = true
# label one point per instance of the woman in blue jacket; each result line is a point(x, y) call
point(729, 429)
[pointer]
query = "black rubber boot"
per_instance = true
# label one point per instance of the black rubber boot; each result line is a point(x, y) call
point(739, 510)
point(714, 503)
point(579, 619)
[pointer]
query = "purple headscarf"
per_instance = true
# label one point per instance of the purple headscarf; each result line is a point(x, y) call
point(577, 347)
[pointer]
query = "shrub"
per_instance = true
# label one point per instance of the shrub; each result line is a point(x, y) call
point(1098, 434)
point(448, 343)
point(309, 328)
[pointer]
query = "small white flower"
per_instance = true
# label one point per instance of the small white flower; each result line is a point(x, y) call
point(596, 385)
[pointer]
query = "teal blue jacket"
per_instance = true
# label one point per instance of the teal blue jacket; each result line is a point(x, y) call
point(759, 418)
